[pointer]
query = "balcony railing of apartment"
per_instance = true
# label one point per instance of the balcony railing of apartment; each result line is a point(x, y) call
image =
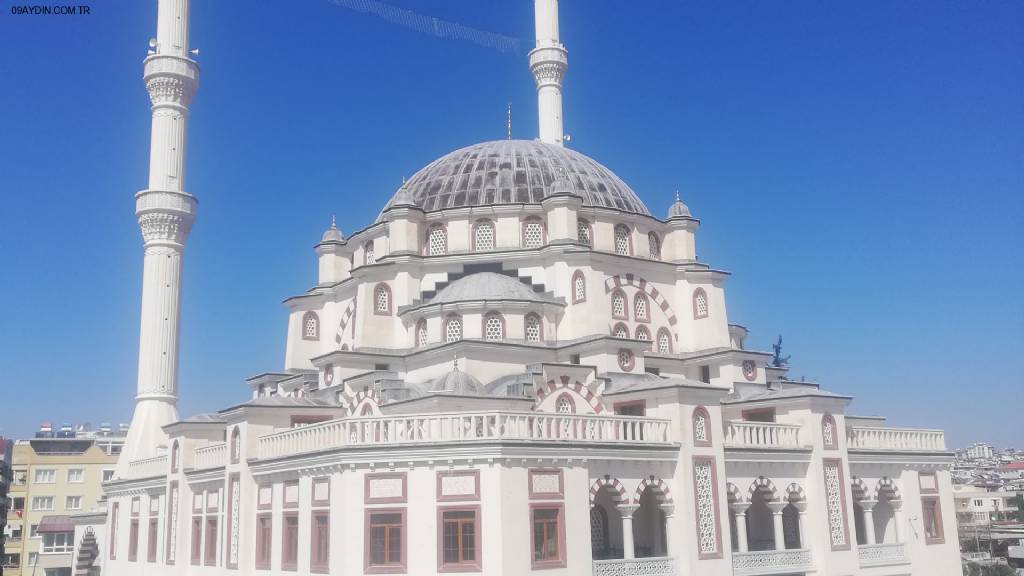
point(155, 466)
point(466, 427)
point(869, 438)
point(765, 562)
point(882, 554)
point(657, 566)
point(211, 456)
point(741, 434)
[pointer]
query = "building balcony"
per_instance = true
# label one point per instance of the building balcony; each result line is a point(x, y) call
point(211, 456)
point(742, 434)
point(766, 562)
point(899, 439)
point(882, 554)
point(467, 427)
point(657, 566)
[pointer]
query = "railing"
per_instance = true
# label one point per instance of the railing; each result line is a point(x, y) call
point(772, 562)
point(154, 466)
point(761, 435)
point(211, 456)
point(882, 554)
point(659, 566)
point(868, 438)
point(466, 427)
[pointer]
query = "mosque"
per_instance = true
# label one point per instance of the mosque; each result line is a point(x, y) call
point(517, 367)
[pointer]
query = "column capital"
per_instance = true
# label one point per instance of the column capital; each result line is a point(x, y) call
point(740, 507)
point(627, 510)
point(777, 506)
point(867, 505)
point(896, 504)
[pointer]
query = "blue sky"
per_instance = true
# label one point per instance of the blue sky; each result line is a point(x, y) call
point(858, 166)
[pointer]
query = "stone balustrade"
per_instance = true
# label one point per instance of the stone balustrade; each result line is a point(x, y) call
point(882, 554)
point(742, 434)
point(211, 456)
point(766, 562)
point(466, 427)
point(871, 438)
point(155, 466)
point(656, 566)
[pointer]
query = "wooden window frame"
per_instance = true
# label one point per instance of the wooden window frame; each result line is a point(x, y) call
point(559, 560)
point(475, 565)
point(389, 568)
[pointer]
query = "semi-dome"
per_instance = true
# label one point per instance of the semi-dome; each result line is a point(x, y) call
point(456, 382)
point(514, 172)
point(488, 286)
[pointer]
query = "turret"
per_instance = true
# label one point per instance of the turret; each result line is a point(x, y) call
point(679, 245)
point(334, 264)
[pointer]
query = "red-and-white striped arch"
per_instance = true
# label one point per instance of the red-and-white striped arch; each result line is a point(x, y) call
point(618, 281)
point(614, 488)
point(553, 388)
point(660, 488)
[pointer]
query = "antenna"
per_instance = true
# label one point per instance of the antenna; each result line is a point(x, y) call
point(508, 123)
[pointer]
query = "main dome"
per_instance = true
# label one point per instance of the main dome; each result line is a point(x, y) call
point(513, 172)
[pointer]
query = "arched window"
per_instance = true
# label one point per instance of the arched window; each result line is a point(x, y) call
point(829, 433)
point(583, 232)
point(453, 328)
point(533, 328)
point(622, 241)
point(421, 334)
point(700, 303)
point(664, 342)
point(437, 240)
point(368, 257)
point(367, 410)
point(236, 447)
point(642, 333)
point(310, 326)
point(533, 233)
point(494, 327)
point(701, 427)
point(620, 331)
point(382, 299)
point(175, 456)
point(626, 360)
point(483, 236)
point(565, 405)
point(641, 307)
point(655, 246)
point(619, 304)
point(579, 287)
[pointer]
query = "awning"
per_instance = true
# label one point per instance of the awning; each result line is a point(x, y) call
point(51, 524)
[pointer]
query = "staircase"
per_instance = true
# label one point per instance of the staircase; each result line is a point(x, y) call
point(88, 551)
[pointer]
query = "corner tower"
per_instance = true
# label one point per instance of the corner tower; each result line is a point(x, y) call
point(548, 62)
point(165, 213)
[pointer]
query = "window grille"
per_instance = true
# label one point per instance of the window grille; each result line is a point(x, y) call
point(564, 405)
point(484, 237)
point(421, 335)
point(700, 304)
point(493, 328)
point(640, 307)
point(453, 330)
point(655, 246)
point(437, 241)
point(622, 240)
point(663, 343)
point(533, 234)
point(579, 288)
point(383, 299)
point(618, 305)
point(368, 253)
point(583, 232)
point(532, 328)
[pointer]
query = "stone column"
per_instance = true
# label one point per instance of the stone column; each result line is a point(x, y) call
point(869, 521)
point(780, 533)
point(897, 518)
point(627, 511)
point(739, 510)
point(801, 507)
point(669, 511)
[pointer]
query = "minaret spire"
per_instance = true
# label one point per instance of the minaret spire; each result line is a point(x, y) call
point(548, 62)
point(165, 213)
point(508, 122)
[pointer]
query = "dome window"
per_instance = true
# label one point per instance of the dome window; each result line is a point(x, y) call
point(368, 257)
point(618, 304)
point(453, 329)
point(626, 360)
point(620, 331)
point(622, 241)
point(700, 304)
point(437, 241)
point(664, 342)
point(583, 233)
point(533, 233)
point(532, 328)
point(483, 236)
point(579, 288)
point(382, 299)
point(641, 308)
point(494, 327)
point(643, 334)
point(310, 326)
point(421, 334)
point(655, 246)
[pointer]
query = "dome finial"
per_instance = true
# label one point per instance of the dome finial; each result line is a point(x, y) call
point(334, 223)
point(677, 194)
point(678, 209)
point(332, 234)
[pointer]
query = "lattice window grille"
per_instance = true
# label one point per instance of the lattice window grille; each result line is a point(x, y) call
point(453, 330)
point(310, 329)
point(493, 329)
point(579, 288)
point(583, 232)
point(597, 529)
point(368, 253)
point(484, 237)
point(655, 246)
point(383, 299)
point(437, 242)
point(533, 234)
point(833, 500)
point(626, 360)
point(701, 304)
point(618, 305)
point(640, 308)
point(707, 536)
point(622, 240)
point(828, 433)
point(421, 335)
point(700, 427)
point(643, 334)
point(532, 329)
point(564, 405)
point(620, 332)
point(663, 343)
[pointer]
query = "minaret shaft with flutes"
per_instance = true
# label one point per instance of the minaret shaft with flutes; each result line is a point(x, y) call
point(548, 62)
point(165, 213)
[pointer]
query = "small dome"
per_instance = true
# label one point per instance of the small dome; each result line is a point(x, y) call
point(457, 382)
point(333, 234)
point(678, 209)
point(402, 197)
point(561, 186)
point(488, 286)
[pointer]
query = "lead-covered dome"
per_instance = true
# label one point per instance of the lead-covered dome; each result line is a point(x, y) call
point(514, 172)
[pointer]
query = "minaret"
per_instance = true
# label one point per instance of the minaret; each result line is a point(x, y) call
point(548, 62)
point(165, 213)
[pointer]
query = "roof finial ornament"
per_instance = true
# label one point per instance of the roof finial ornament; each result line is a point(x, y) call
point(334, 223)
point(677, 195)
point(508, 122)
